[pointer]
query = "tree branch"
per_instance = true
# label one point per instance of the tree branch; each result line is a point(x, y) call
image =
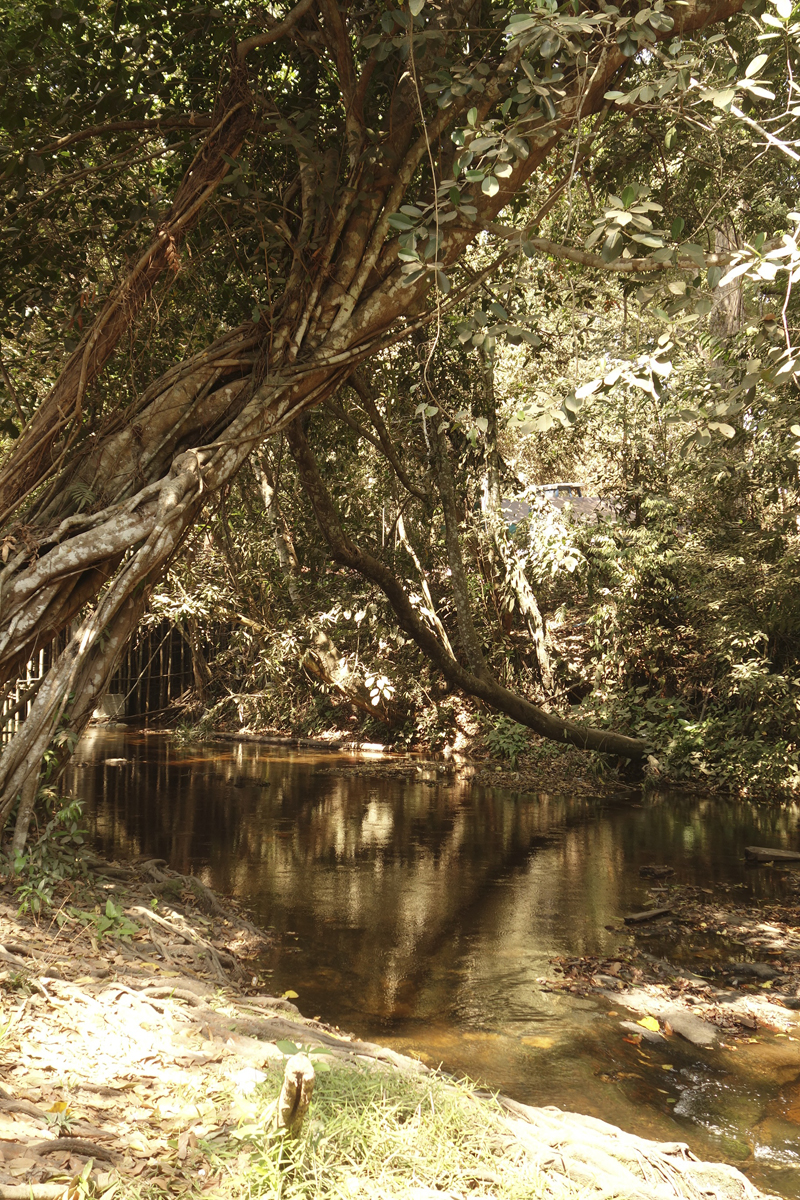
point(12, 391)
point(470, 639)
point(360, 386)
point(143, 126)
point(277, 31)
point(348, 554)
point(585, 258)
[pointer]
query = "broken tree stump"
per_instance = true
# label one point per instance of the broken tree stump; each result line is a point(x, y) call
point(296, 1093)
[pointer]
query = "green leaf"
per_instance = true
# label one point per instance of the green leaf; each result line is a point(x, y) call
point(518, 145)
point(287, 1047)
point(490, 186)
point(755, 65)
point(482, 143)
point(612, 246)
point(734, 273)
point(754, 90)
point(520, 23)
point(416, 7)
point(694, 252)
point(594, 236)
point(472, 116)
point(722, 98)
point(628, 195)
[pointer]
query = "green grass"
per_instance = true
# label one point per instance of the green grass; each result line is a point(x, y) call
point(378, 1133)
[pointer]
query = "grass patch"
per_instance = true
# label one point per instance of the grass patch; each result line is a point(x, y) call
point(378, 1133)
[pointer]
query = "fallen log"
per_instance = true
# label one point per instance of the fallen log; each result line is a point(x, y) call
point(764, 854)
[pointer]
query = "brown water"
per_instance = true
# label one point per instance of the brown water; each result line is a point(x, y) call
point(424, 914)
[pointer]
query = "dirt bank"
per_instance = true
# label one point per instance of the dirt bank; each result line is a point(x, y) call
point(140, 1057)
point(725, 969)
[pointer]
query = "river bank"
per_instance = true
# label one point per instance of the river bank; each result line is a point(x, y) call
point(542, 766)
point(142, 1057)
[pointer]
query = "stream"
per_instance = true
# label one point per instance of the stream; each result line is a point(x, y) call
point(423, 913)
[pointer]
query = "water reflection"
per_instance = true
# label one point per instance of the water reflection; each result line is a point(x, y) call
point(424, 912)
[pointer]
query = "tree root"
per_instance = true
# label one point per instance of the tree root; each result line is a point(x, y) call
point(75, 1146)
point(592, 1154)
point(156, 922)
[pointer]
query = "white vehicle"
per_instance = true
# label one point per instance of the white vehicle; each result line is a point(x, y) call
point(558, 494)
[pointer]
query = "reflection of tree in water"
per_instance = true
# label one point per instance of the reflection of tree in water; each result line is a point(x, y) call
point(425, 914)
point(394, 873)
point(416, 896)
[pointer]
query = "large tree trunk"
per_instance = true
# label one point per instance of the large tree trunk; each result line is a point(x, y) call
point(513, 563)
point(151, 467)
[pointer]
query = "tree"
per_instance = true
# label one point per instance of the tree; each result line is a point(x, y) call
point(380, 144)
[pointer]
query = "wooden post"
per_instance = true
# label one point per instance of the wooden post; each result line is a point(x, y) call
point(296, 1093)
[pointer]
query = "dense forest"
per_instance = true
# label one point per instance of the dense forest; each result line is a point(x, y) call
point(302, 311)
